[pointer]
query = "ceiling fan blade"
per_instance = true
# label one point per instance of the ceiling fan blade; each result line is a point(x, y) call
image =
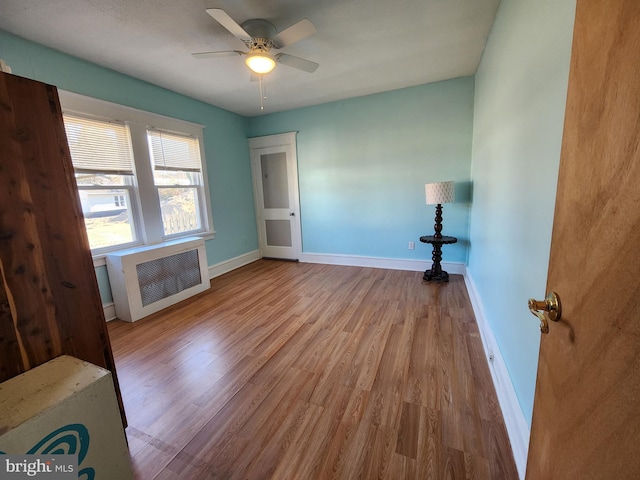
point(229, 23)
point(297, 62)
point(295, 32)
point(226, 53)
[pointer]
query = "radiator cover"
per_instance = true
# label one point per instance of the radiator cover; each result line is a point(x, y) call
point(147, 279)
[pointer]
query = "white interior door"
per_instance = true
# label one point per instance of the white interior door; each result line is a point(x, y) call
point(275, 183)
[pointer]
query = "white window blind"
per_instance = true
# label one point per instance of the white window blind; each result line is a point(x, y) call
point(98, 145)
point(174, 152)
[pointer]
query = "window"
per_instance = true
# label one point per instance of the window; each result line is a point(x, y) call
point(178, 180)
point(103, 164)
point(141, 178)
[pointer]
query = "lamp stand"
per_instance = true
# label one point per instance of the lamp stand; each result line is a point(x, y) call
point(435, 273)
point(438, 226)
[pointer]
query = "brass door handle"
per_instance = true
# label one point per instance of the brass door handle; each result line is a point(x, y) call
point(551, 305)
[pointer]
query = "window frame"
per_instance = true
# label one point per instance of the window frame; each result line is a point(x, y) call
point(198, 187)
point(143, 193)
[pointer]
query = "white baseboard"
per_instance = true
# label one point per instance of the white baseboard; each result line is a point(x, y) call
point(516, 424)
point(233, 263)
point(109, 311)
point(379, 262)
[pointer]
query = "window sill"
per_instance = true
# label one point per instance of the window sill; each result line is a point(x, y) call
point(100, 260)
point(208, 235)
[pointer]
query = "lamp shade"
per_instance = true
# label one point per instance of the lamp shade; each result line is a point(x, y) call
point(260, 62)
point(441, 192)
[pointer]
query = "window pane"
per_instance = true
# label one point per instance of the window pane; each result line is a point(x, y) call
point(168, 177)
point(180, 212)
point(275, 188)
point(107, 216)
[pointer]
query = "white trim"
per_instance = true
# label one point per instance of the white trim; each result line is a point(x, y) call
point(233, 263)
point(4, 67)
point(83, 104)
point(277, 140)
point(99, 261)
point(516, 424)
point(281, 143)
point(109, 311)
point(379, 262)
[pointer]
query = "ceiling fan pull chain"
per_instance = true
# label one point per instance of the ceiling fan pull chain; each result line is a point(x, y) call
point(262, 97)
point(263, 91)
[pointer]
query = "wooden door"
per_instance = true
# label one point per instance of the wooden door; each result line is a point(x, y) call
point(275, 180)
point(586, 417)
point(49, 299)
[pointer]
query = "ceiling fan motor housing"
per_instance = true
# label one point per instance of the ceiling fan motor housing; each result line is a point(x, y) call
point(259, 29)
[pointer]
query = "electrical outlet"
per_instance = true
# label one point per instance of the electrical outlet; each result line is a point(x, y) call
point(412, 245)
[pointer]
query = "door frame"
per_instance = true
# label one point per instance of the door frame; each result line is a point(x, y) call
point(287, 142)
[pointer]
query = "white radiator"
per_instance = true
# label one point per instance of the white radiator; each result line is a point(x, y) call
point(145, 280)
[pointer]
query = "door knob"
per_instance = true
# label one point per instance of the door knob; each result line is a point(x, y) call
point(292, 214)
point(551, 304)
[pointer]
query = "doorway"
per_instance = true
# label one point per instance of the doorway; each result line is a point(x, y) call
point(274, 166)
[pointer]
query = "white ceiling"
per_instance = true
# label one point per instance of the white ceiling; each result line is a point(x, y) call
point(362, 46)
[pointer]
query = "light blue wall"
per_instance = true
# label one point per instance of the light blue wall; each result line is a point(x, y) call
point(363, 163)
point(225, 139)
point(521, 87)
point(103, 284)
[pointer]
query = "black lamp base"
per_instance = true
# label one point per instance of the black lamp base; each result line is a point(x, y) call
point(435, 273)
point(435, 276)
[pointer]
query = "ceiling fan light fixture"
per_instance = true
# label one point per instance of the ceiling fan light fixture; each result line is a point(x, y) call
point(260, 61)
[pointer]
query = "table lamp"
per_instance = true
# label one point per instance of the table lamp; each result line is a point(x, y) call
point(437, 194)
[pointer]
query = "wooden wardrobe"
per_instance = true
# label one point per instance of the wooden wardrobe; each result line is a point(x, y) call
point(49, 299)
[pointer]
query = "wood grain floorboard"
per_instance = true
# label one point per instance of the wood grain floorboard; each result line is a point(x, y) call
point(301, 371)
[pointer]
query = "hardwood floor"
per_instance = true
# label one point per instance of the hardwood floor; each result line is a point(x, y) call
point(301, 371)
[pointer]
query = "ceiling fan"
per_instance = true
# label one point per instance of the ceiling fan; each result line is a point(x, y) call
point(260, 37)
